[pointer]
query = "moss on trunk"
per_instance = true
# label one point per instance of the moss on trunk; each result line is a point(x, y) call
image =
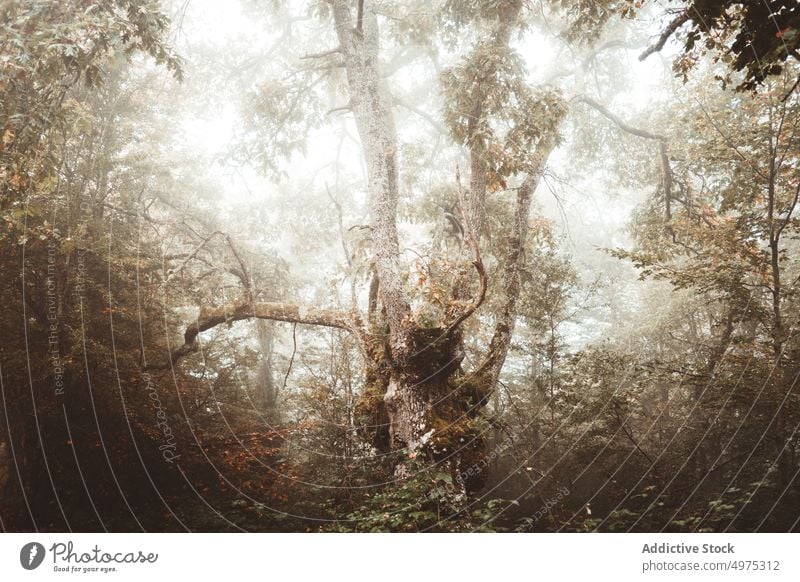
point(426, 405)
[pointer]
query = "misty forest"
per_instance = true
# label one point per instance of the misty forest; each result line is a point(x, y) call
point(400, 266)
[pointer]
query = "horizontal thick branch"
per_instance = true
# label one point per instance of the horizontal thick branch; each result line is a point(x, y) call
point(210, 317)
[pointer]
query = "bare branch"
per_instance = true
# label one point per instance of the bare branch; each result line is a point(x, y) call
point(193, 254)
point(433, 122)
point(294, 353)
point(676, 23)
point(663, 142)
point(320, 55)
point(794, 86)
point(347, 254)
point(210, 317)
point(608, 45)
point(470, 238)
point(340, 221)
point(616, 120)
point(347, 107)
point(245, 272)
point(360, 17)
point(666, 172)
point(789, 213)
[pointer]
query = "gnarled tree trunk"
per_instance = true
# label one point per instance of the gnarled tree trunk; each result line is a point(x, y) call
point(417, 399)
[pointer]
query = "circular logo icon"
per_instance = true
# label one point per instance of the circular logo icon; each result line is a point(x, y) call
point(31, 555)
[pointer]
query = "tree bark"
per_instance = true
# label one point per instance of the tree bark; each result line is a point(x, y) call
point(210, 317)
point(417, 400)
point(267, 388)
point(418, 362)
point(489, 370)
point(371, 105)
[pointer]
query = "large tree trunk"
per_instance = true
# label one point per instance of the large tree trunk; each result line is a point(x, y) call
point(417, 399)
point(411, 370)
point(371, 104)
point(415, 371)
point(428, 407)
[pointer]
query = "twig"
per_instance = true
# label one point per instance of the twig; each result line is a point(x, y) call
point(335, 51)
point(360, 17)
point(193, 254)
point(291, 360)
point(477, 262)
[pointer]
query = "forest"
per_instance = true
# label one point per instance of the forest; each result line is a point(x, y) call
point(399, 266)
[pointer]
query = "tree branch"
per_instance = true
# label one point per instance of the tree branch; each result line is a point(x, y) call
point(210, 317)
point(424, 115)
point(676, 23)
point(792, 206)
point(470, 238)
point(320, 55)
point(474, 208)
point(616, 120)
point(666, 170)
point(245, 272)
point(506, 319)
point(193, 254)
point(347, 107)
point(360, 17)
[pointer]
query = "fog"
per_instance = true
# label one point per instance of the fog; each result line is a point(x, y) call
point(370, 265)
